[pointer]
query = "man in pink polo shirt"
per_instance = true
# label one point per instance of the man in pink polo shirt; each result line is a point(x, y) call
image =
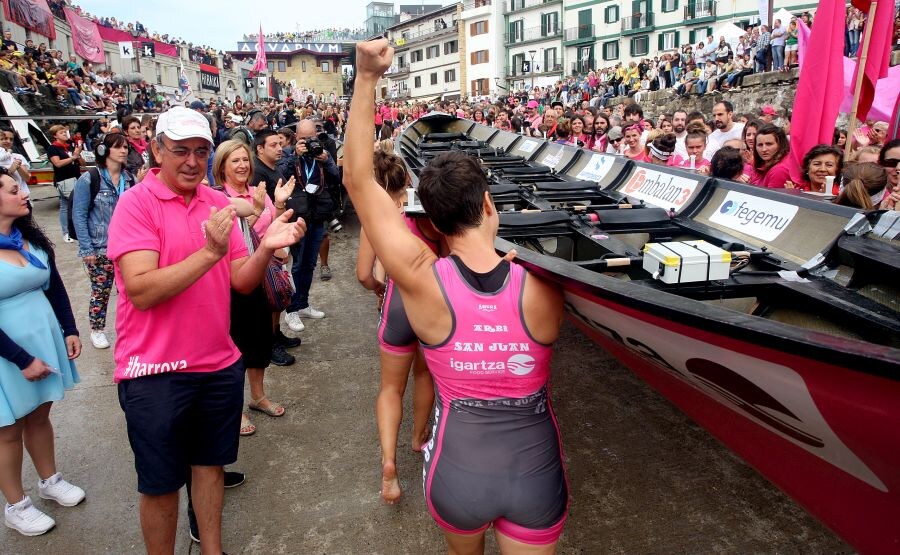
point(177, 255)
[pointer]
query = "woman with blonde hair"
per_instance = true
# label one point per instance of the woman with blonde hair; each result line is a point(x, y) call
point(251, 315)
point(864, 186)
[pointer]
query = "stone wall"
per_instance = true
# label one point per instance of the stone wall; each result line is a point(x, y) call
point(775, 88)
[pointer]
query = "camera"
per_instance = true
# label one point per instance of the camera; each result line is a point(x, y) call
point(335, 225)
point(314, 145)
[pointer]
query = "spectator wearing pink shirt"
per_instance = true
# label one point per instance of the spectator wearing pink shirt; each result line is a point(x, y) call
point(177, 255)
point(694, 144)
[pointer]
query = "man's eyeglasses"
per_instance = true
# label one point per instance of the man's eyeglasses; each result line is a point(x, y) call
point(890, 163)
point(201, 153)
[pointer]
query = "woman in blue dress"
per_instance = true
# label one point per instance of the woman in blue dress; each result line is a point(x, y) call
point(38, 343)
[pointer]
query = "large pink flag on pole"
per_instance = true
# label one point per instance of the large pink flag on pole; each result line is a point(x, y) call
point(85, 37)
point(260, 65)
point(881, 29)
point(821, 86)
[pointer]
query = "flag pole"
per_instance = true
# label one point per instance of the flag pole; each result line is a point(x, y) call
point(860, 74)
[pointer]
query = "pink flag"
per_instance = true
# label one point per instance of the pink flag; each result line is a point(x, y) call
point(260, 65)
point(821, 85)
point(85, 37)
point(881, 27)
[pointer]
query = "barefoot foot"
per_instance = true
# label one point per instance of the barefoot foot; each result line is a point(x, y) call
point(390, 484)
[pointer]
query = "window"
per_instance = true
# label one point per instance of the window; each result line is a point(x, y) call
point(517, 62)
point(326, 67)
point(271, 66)
point(479, 57)
point(417, 82)
point(158, 74)
point(611, 50)
point(282, 67)
point(401, 61)
point(611, 14)
point(432, 52)
point(478, 28)
point(549, 24)
point(451, 47)
point(516, 4)
point(450, 76)
point(303, 65)
point(640, 46)
point(416, 56)
point(669, 5)
point(551, 59)
point(669, 40)
point(516, 31)
point(434, 78)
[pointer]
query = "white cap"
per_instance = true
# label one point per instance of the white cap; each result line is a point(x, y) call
point(180, 123)
point(235, 118)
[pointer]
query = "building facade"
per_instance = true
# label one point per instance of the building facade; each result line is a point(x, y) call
point(602, 33)
point(427, 56)
point(379, 16)
point(482, 27)
point(533, 38)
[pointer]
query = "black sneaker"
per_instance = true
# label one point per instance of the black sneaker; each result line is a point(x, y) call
point(280, 357)
point(233, 479)
point(285, 342)
point(192, 524)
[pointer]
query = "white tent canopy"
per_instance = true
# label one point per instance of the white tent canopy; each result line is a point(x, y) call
point(731, 32)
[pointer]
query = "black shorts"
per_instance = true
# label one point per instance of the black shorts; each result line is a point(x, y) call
point(179, 419)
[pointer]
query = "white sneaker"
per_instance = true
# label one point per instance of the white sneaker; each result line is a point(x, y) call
point(67, 239)
point(99, 340)
point(27, 519)
point(61, 491)
point(310, 312)
point(294, 322)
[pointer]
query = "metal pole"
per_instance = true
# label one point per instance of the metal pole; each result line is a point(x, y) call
point(861, 65)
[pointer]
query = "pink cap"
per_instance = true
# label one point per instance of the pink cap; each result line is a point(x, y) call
point(768, 110)
point(532, 104)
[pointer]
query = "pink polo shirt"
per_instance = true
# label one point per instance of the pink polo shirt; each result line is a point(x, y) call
point(268, 214)
point(189, 332)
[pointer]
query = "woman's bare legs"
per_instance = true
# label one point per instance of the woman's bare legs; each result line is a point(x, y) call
point(389, 412)
point(423, 401)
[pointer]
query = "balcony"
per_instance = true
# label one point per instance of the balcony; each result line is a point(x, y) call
point(532, 34)
point(580, 34)
point(473, 4)
point(520, 5)
point(637, 23)
point(441, 28)
point(516, 72)
point(700, 12)
point(398, 72)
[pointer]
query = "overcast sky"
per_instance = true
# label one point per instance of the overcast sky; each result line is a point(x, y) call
point(221, 24)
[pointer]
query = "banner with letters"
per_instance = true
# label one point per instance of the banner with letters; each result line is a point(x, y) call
point(85, 38)
point(209, 78)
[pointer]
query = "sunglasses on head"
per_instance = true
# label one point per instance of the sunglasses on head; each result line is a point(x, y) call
point(890, 162)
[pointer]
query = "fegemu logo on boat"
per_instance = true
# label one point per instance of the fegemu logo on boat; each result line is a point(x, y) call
point(757, 217)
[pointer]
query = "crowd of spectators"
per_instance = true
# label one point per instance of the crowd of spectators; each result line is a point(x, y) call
point(317, 35)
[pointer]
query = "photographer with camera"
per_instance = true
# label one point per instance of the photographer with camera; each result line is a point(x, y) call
point(316, 175)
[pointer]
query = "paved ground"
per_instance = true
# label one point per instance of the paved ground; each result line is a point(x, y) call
point(644, 479)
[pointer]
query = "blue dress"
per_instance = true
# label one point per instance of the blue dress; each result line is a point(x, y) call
point(28, 319)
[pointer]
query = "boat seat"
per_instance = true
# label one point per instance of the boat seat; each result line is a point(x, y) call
point(435, 146)
point(632, 218)
point(445, 137)
point(501, 189)
point(547, 218)
point(527, 170)
point(565, 186)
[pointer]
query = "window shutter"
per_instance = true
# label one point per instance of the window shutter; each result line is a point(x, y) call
point(691, 37)
point(472, 29)
point(486, 23)
point(677, 39)
point(662, 41)
point(472, 58)
point(486, 55)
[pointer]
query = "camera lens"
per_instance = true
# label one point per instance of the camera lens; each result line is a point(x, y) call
point(335, 225)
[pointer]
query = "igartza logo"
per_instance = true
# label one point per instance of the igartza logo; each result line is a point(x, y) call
point(757, 217)
point(487, 307)
point(520, 365)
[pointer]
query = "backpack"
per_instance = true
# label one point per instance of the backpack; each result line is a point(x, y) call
point(95, 189)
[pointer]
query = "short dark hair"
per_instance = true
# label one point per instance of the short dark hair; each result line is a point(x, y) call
point(882, 156)
point(260, 139)
point(128, 120)
point(729, 107)
point(452, 188)
point(820, 150)
point(696, 115)
point(784, 147)
point(726, 163)
point(634, 109)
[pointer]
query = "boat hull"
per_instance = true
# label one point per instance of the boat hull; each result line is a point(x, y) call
point(825, 435)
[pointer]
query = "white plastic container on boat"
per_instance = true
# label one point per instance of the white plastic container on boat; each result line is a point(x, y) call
point(686, 261)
